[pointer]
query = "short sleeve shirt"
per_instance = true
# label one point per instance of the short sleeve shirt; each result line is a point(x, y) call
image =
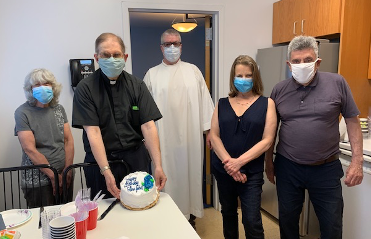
point(47, 126)
point(118, 109)
point(309, 116)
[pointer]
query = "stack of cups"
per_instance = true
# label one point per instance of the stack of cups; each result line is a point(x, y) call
point(62, 228)
point(364, 127)
point(85, 216)
point(46, 216)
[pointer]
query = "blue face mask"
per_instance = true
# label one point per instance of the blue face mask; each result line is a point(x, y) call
point(44, 94)
point(243, 85)
point(111, 67)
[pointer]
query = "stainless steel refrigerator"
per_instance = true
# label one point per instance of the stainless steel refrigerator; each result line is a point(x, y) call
point(273, 69)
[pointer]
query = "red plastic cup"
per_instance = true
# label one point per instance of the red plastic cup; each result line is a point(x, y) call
point(92, 219)
point(81, 223)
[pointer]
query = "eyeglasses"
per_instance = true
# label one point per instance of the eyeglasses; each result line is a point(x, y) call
point(168, 44)
point(108, 55)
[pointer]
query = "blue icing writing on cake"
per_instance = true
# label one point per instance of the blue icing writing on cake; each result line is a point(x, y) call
point(132, 184)
point(138, 191)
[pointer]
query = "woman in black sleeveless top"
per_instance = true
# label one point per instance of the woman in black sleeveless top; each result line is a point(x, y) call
point(242, 128)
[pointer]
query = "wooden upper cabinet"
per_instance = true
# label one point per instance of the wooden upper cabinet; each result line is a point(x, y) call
point(321, 17)
point(286, 18)
point(305, 17)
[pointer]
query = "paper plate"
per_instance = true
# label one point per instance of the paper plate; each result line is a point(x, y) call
point(68, 209)
point(15, 217)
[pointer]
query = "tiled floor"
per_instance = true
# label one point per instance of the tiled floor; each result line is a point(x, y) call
point(211, 226)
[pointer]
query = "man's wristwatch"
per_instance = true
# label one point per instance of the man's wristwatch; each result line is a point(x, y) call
point(104, 169)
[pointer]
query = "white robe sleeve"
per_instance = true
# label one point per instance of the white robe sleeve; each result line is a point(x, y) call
point(147, 81)
point(206, 101)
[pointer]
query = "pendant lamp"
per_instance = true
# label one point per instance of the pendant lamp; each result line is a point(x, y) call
point(187, 25)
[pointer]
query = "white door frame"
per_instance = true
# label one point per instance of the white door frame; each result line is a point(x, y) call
point(217, 11)
point(218, 28)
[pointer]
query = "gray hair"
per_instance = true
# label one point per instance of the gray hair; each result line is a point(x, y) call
point(302, 42)
point(170, 32)
point(41, 76)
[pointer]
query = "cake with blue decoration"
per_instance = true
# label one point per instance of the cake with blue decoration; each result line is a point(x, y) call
point(138, 191)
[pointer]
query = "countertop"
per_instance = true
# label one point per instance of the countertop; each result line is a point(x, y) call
point(366, 146)
point(345, 150)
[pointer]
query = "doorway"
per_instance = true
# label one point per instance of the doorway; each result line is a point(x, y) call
point(145, 31)
point(153, 37)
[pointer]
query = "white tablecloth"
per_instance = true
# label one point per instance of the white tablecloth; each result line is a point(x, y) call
point(162, 221)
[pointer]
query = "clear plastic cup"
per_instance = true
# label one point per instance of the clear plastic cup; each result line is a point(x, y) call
point(46, 216)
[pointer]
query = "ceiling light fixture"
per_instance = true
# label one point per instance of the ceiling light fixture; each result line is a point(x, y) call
point(187, 25)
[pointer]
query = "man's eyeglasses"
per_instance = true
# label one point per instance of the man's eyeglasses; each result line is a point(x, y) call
point(108, 55)
point(168, 44)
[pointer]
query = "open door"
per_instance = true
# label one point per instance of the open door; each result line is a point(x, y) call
point(213, 59)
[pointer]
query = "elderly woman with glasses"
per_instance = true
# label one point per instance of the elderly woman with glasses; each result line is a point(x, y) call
point(45, 136)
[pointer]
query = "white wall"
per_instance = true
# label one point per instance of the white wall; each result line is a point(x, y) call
point(44, 33)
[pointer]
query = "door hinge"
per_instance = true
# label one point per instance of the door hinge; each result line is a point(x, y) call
point(208, 34)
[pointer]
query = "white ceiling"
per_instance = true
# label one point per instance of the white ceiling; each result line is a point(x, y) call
point(149, 19)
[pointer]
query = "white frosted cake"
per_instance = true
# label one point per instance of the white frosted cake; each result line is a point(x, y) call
point(138, 191)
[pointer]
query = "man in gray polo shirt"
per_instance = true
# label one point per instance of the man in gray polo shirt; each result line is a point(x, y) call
point(308, 106)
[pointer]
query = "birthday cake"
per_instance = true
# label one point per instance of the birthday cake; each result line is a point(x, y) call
point(138, 191)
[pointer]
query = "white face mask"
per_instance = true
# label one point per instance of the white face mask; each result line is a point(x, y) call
point(303, 72)
point(172, 53)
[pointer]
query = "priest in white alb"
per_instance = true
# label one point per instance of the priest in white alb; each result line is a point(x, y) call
point(181, 94)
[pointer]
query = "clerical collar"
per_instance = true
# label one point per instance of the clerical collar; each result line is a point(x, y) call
point(111, 82)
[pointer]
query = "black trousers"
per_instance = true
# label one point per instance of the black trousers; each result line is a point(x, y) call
point(325, 192)
point(137, 158)
point(43, 196)
point(250, 196)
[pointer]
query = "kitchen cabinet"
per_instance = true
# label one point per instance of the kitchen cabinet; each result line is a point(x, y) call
point(285, 20)
point(305, 17)
point(347, 20)
point(355, 40)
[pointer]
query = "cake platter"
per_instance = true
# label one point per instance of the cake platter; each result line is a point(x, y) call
point(144, 208)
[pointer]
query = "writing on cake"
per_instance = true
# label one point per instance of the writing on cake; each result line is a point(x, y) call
point(132, 185)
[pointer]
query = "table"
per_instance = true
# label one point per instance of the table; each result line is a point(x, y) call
point(162, 221)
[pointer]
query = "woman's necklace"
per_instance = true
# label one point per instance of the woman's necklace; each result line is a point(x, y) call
point(245, 104)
